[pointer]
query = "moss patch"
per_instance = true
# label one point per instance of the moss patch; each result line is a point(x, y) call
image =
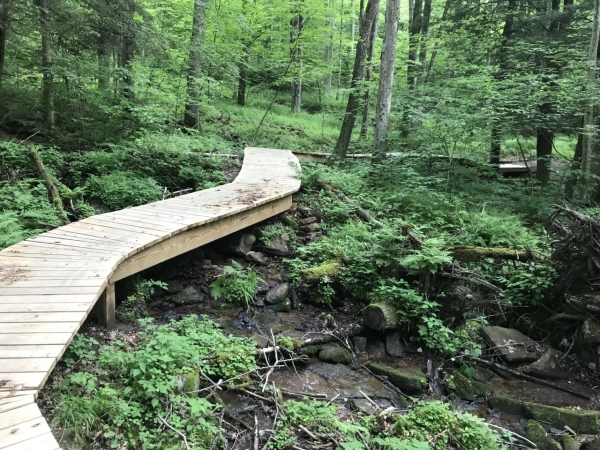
point(507, 405)
point(537, 434)
point(582, 421)
point(465, 388)
point(409, 382)
point(333, 353)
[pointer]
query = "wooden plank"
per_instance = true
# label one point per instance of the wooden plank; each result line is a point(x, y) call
point(31, 351)
point(23, 432)
point(131, 224)
point(41, 298)
point(17, 393)
point(66, 282)
point(8, 404)
point(84, 227)
point(104, 224)
point(10, 419)
point(34, 338)
point(39, 327)
point(65, 246)
point(107, 307)
point(73, 274)
point(45, 307)
point(197, 237)
point(19, 365)
point(50, 290)
point(43, 442)
point(52, 317)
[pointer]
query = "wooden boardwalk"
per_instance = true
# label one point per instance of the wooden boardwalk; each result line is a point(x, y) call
point(49, 284)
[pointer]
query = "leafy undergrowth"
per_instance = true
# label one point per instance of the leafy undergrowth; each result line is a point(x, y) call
point(119, 395)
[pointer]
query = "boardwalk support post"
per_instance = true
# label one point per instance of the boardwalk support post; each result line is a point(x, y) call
point(106, 307)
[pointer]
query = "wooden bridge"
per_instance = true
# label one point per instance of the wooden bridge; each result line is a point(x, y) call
point(49, 284)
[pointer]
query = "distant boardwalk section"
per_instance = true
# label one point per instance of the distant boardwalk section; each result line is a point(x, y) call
point(49, 284)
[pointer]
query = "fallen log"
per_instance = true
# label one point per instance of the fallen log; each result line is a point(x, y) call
point(330, 270)
point(471, 254)
point(380, 316)
point(52, 190)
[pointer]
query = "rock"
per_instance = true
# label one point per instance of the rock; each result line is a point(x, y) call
point(307, 221)
point(169, 315)
point(360, 344)
point(278, 294)
point(409, 381)
point(548, 367)
point(285, 237)
point(188, 296)
point(333, 353)
point(188, 383)
point(581, 421)
point(168, 274)
point(507, 405)
point(174, 286)
point(593, 445)
point(284, 306)
point(393, 346)
point(294, 207)
point(242, 244)
point(256, 257)
point(482, 374)
point(568, 443)
point(307, 228)
point(182, 260)
point(512, 345)
point(364, 405)
point(590, 330)
point(278, 245)
point(332, 372)
point(465, 388)
point(537, 434)
point(376, 350)
point(259, 303)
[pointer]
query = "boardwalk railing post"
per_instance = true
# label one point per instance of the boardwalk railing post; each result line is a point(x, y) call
point(106, 307)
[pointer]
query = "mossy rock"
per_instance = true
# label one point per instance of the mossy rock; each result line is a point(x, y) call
point(465, 388)
point(189, 383)
point(507, 405)
point(537, 435)
point(568, 443)
point(409, 381)
point(333, 353)
point(582, 421)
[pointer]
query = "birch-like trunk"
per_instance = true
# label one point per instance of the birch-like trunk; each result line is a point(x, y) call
point(296, 62)
point(192, 108)
point(4, 20)
point(386, 79)
point(424, 40)
point(341, 147)
point(369, 77)
point(48, 78)
point(588, 132)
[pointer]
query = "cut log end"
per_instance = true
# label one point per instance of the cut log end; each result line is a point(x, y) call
point(380, 316)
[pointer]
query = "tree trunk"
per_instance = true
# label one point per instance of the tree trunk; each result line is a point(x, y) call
point(367, 95)
point(424, 38)
point(127, 52)
point(386, 79)
point(329, 52)
point(380, 316)
point(48, 78)
point(588, 132)
point(413, 42)
point(339, 80)
point(297, 23)
point(496, 135)
point(242, 78)
point(341, 147)
point(52, 190)
point(544, 144)
point(103, 60)
point(192, 108)
point(575, 165)
point(352, 25)
point(4, 17)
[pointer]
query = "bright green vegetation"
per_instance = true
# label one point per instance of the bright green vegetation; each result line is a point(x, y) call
point(412, 431)
point(238, 284)
point(134, 306)
point(116, 394)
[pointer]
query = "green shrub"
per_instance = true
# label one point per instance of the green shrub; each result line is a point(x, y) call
point(120, 190)
point(238, 284)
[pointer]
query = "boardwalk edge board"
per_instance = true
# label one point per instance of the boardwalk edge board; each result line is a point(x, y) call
point(49, 283)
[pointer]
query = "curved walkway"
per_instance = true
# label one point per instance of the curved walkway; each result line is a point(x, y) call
point(49, 284)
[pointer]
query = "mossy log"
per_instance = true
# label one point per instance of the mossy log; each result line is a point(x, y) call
point(470, 254)
point(52, 190)
point(330, 270)
point(380, 316)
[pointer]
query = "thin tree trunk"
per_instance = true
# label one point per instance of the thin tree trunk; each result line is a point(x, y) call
point(367, 95)
point(339, 80)
point(496, 134)
point(296, 59)
point(4, 18)
point(437, 43)
point(386, 79)
point(127, 53)
point(329, 51)
point(103, 59)
point(575, 165)
point(424, 38)
point(413, 42)
point(343, 141)
point(352, 25)
point(48, 78)
point(192, 108)
point(243, 77)
point(588, 132)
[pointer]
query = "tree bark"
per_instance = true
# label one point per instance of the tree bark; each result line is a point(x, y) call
point(575, 165)
point(386, 79)
point(339, 80)
point(341, 147)
point(413, 42)
point(424, 39)
point(297, 23)
point(588, 132)
point(243, 77)
point(4, 20)
point(52, 190)
point(192, 108)
point(48, 78)
point(507, 31)
point(380, 316)
point(103, 59)
point(369, 77)
point(127, 52)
